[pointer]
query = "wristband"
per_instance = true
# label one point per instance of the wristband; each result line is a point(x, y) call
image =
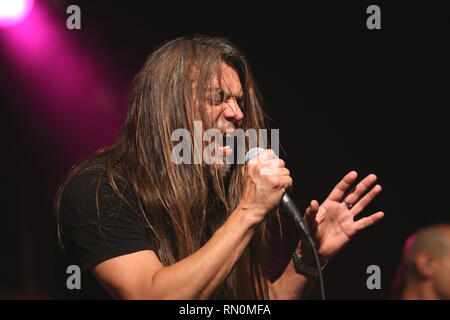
point(301, 267)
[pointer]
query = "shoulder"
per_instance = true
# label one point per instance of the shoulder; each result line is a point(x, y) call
point(99, 222)
point(89, 195)
point(82, 184)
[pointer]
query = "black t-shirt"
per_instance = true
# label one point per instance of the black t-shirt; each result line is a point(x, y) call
point(91, 236)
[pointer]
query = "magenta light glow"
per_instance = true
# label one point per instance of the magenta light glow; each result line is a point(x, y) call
point(76, 96)
point(13, 12)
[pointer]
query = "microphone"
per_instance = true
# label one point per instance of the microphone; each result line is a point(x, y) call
point(292, 211)
point(286, 203)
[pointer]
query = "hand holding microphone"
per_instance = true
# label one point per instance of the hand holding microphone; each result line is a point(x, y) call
point(265, 183)
point(262, 192)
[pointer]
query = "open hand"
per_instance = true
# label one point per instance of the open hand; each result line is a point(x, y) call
point(332, 223)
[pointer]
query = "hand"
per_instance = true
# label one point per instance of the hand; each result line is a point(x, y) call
point(332, 224)
point(265, 179)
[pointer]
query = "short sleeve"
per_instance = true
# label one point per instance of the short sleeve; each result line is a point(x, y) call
point(95, 229)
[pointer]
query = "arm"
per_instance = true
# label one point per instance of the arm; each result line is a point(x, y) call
point(332, 225)
point(141, 275)
point(291, 285)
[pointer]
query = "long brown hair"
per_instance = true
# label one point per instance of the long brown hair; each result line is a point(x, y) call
point(175, 200)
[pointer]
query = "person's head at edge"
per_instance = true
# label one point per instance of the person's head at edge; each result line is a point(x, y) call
point(425, 270)
point(186, 79)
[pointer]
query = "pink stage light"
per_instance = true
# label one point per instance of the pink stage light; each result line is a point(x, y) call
point(81, 101)
point(13, 12)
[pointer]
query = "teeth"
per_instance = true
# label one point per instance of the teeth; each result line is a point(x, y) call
point(227, 139)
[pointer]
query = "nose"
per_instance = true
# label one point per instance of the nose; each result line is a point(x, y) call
point(232, 111)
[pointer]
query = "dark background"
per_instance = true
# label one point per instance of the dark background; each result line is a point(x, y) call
point(344, 98)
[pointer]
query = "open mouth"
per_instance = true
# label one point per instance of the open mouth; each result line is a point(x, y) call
point(227, 142)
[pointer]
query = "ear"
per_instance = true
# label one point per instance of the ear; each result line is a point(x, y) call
point(425, 264)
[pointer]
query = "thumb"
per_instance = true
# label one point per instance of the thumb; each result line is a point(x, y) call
point(310, 215)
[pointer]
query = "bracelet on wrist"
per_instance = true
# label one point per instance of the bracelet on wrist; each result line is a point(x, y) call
point(301, 267)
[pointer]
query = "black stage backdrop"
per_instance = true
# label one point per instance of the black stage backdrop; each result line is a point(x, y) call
point(344, 98)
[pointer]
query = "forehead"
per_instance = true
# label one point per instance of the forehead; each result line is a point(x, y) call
point(228, 80)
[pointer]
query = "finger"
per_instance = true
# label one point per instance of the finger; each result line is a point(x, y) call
point(286, 182)
point(368, 221)
point(361, 204)
point(308, 211)
point(354, 195)
point(264, 156)
point(283, 172)
point(313, 208)
point(310, 215)
point(274, 171)
point(271, 167)
point(341, 188)
point(314, 205)
point(274, 163)
point(307, 215)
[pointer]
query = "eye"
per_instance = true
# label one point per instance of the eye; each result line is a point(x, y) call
point(213, 102)
point(216, 99)
point(240, 101)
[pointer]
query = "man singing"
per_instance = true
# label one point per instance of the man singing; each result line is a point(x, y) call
point(143, 226)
